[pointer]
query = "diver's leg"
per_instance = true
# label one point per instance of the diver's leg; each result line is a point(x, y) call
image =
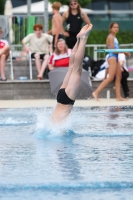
point(112, 72)
point(74, 80)
point(71, 61)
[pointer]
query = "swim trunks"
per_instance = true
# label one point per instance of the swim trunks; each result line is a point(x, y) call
point(113, 55)
point(63, 98)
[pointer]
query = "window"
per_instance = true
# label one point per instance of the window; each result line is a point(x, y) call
point(99, 5)
point(119, 6)
point(17, 3)
point(131, 5)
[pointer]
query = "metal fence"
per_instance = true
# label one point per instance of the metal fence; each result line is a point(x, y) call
point(17, 51)
point(91, 50)
point(23, 25)
point(15, 27)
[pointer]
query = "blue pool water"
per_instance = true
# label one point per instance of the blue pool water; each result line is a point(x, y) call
point(88, 157)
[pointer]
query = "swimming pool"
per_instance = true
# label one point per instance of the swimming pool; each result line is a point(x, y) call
point(89, 157)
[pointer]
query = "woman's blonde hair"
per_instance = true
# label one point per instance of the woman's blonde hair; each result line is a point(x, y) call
point(57, 51)
point(56, 5)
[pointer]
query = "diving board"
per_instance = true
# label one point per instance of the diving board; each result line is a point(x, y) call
point(114, 50)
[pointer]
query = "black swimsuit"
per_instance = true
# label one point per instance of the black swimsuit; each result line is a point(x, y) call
point(63, 98)
point(73, 26)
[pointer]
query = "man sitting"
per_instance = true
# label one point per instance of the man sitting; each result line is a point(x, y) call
point(4, 53)
point(40, 44)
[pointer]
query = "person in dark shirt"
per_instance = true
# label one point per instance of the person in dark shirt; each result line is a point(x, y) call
point(74, 19)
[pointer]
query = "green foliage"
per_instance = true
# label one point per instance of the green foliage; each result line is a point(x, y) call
point(20, 31)
point(96, 36)
point(99, 37)
point(2, 4)
point(83, 3)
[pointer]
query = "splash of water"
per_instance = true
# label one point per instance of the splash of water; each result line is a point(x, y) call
point(84, 122)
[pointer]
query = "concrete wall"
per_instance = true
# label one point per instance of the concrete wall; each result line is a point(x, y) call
point(41, 90)
point(34, 89)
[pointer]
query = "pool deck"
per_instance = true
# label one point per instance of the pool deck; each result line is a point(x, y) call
point(51, 103)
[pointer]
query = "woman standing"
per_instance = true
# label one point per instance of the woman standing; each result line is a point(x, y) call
point(74, 19)
point(114, 66)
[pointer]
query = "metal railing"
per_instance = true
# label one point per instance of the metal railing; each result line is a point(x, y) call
point(17, 50)
point(90, 50)
point(15, 27)
point(19, 54)
point(23, 25)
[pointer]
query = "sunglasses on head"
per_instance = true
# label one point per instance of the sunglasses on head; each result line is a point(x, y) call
point(73, 4)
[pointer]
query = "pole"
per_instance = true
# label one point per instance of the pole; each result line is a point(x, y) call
point(29, 7)
point(46, 16)
point(28, 14)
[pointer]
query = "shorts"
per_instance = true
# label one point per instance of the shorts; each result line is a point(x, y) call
point(113, 55)
point(71, 40)
point(63, 98)
point(41, 56)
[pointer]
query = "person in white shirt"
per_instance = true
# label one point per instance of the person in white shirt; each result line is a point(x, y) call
point(4, 53)
point(124, 70)
point(40, 44)
point(125, 74)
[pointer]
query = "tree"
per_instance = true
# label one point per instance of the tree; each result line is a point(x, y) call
point(83, 3)
point(2, 5)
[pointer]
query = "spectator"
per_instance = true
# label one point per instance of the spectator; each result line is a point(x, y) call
point(57, 29)
point(114, 66)
point(74, 19)
point(39, 48)
point(60, 57)
point(4, 53)
point(125, 73)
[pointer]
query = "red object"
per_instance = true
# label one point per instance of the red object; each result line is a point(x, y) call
point(2, 44)
point(130, 68)
point(61, 60)
point(64, 62)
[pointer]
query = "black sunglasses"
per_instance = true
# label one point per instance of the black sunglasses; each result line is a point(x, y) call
point(73, 4)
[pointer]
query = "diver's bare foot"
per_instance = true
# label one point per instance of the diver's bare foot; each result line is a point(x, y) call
point(95, 96)
point(85, 31)
point(121, 99)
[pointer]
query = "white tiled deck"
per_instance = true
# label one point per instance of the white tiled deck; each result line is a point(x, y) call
point(51, 103)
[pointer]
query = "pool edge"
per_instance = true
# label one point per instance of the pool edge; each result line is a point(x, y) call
point(51, 103)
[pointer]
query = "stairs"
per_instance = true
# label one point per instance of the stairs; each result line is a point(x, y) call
point(36, 89)
point(21, 68)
